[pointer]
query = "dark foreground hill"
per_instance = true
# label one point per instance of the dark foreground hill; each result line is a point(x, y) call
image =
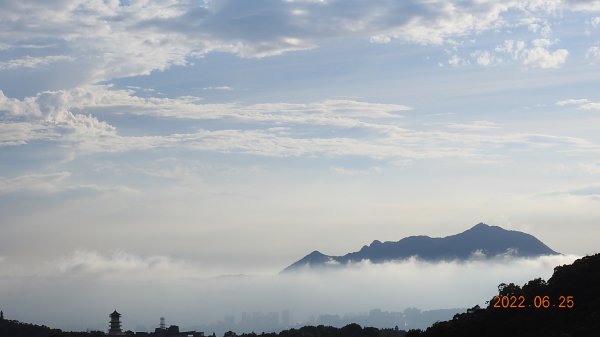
point(480, 240)
point(12, 328)
point(572, 297)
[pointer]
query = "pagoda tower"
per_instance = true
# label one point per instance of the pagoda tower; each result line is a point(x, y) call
point(115, 324)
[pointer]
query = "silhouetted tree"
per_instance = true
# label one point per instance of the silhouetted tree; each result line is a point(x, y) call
point(230, 334)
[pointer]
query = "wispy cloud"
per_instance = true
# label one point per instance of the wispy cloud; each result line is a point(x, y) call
point(48, 182)
point(33, 62)
point(590, 168)
point(219, 88)
point(355, 172)
point(52, 183)
point(123, 264)
point(589, 192)
point(593, 53)
point(474, 126)
point(267, 129)
point(580, 103)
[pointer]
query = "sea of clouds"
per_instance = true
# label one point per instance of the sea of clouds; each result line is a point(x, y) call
point(78, 291)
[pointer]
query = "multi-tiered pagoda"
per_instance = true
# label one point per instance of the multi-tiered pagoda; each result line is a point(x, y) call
point(115, 324)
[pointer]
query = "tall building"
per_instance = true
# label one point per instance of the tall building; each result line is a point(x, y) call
point(115, 324)
point(285, 318)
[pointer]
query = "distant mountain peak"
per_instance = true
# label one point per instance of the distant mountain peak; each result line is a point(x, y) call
point(315, 258)
point(481, 240)
point(483, 226)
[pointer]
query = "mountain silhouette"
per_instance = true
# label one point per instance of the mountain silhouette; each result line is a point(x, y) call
point(479, 241)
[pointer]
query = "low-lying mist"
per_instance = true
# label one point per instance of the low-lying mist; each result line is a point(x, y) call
point(78, 292)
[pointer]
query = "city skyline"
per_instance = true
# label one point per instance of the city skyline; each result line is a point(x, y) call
point(166, 154)
point(410, 318)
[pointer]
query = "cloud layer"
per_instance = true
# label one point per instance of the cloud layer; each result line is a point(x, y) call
point(89, 41)
point(134, 284)
point(329, 128)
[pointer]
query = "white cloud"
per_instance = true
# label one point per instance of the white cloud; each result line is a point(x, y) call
point(582, 5)
point(573, 102)
point(593, 53)
point(474, 126)
point(53, 182)
point(514, 48)
point(53, 108)
point(219, 88)
point(380, 39)
point(540, 57)
point(536, 56)
point(33, 62)
point(19, 133)
point(537, 25)
point(47, 116)
point(582, 103)
point(355, 172)
point(48, 182)
point(483, 58)
point(456, 61)
point(121, 264)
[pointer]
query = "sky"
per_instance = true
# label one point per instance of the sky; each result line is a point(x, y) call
point(235, 137)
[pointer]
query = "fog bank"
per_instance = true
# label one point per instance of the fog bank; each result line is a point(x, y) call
point(79, 291)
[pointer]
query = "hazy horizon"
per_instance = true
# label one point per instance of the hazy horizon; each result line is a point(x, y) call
point(234, 137)
point(87, 286)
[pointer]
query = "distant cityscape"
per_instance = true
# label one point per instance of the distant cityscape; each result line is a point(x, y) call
point(115, 329)
point(410, 318)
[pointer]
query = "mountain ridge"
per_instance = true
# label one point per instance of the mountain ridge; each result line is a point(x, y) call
point(479, 240)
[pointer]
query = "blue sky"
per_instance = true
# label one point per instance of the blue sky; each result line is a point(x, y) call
point(241, 135)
